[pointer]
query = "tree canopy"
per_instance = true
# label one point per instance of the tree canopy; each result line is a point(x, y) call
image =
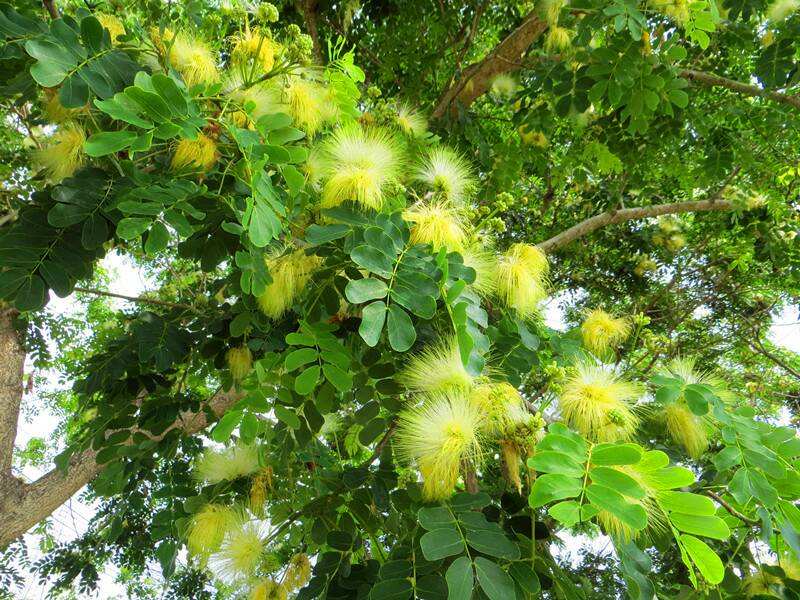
point(353, 215)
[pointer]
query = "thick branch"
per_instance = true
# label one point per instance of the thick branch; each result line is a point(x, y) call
point(23, 505)
point(613, 217)
point(308, 8)
point(12, 366)
point(505, 57)
point(711, 80)
point(51, 7)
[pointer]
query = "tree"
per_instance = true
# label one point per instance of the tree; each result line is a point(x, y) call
point(343, 386)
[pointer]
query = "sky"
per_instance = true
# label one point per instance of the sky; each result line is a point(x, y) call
point(71, 520)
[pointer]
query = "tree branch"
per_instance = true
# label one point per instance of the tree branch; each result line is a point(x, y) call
point(141, 299)
point(477, 77)
point(23, 505)
point(12, 369)
point(51, 7)
point(613, 217)
point(712, 80)
point(308, 8)
point(724, 504)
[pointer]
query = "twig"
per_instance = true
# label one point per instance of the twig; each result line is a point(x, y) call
point(379, 448)
point(724, 504)
point(141, 299)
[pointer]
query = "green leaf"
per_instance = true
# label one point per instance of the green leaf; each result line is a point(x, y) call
point(696, 399)
point(727, 458)
point(616, 454)
point(322, 234)
point(435, 517)
point(372, 259)
point(617, 480)
point(264, 224)
point(300, 357)
point(392, 589)
point(53, 62)
point(224, 428)
point(157, 239)
point(707, 526)
point(567, 512)
point(305, 383)
point(362, 290)
point(670, 478)
point(525, 577)
point(402, 334)
point(707, 562)
point(495, 583)
point(341, 380)
point(556, 462)
point(287, 416)
point(108, 142)
point(441, 543)
point(373, 316)
point(604, 498)
point(132, 227)
point(494, 543)
point(688, 503)
point(553, 486)
point(460, 579)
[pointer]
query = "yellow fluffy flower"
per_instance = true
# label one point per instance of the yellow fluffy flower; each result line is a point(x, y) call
point(290, 275)
point(686, 428)
point(259, 100)
point(112, 23)
point(522, 278)
point(410, 121)
point(254, 48)
point(192, 58)
point(504, 85)
point(268, 589)
point(484, 261)
point(64, 154)
point(360, 165)
point(258, 490)
point(207, 529)
point(598, 404)
point(550, 10)
point(213, 466)
point(298, 572)
point(602, 332)
point(199, 154)
point(449, 174)
point(558, 39)
point(498, 403)
point(439, 436)
point(240, 553)
point(435, 223)
point(780, 10)
point(240, 361)
point(305, 101)
point(436, 369)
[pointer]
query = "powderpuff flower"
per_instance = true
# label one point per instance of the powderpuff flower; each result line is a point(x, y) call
point(306, 103)
point(499, 403)
point(360, 165)
point(207, 529)
point(268, 590)
point(780, 10)
point(504, 85)
point(410, 121)
point(64, 154)
point(522, 278)
point(199, 154)
point(290, 276)
point(484, 261)
point(449, 174)
point(602, 332)
point(298, 572)
point(240, 361)
point(213, 466)
point(440, 436)
point(437, 369)
point(254, 48)
point(240, 553)
point(437, 224)
point(112, 24)
point(599, 404)
point(551, 10)
point(191, 57)
point(558, 39)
